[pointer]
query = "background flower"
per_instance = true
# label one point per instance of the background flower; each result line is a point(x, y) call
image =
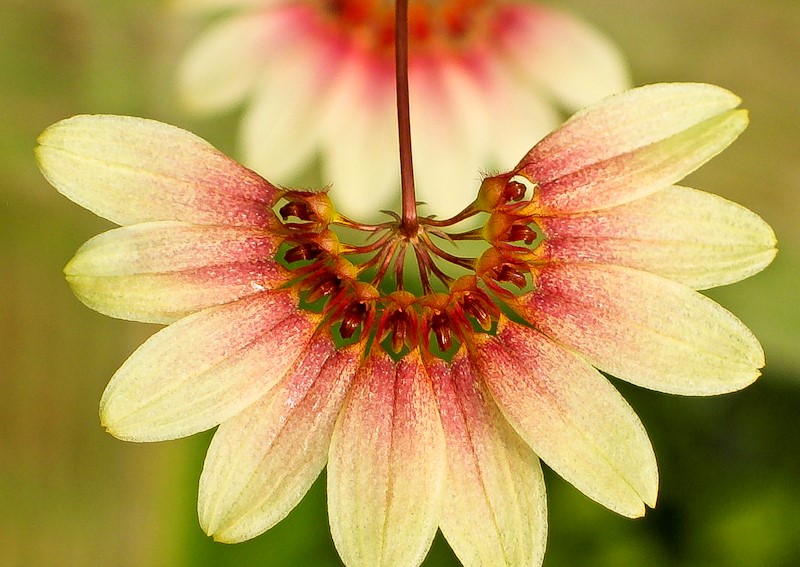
point(488, 79)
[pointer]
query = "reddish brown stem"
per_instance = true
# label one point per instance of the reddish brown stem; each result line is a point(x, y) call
point(408, 223)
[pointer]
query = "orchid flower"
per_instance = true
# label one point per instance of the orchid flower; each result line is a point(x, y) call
point(430, 404)
point(488, 78)
point(429, 363)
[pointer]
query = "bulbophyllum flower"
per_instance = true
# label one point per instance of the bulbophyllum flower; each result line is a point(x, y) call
point(430, 399)
point(317, 77)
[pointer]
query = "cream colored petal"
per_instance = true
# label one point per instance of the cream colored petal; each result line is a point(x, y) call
point(262, 461)
point(226, 62)
point(631, 145)
point(360, 150)
point(520, 116)
point(571, 416)
point(387, 466)
point(205, 368)
point(643, 328)
point(696, 238)
point(495, 509)
point(449, 135)
point(131, 170)
point(204, 6)
point(159, 272)
point(281, 129)
point(572, 61)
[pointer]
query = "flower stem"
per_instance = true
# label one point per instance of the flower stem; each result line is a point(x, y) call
point(409, 224)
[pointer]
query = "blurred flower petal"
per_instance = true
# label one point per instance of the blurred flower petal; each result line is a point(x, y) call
point(281, 128)
point(302, 53)
point(213, 6)
point(224, 66)
point(460, 121)
point(361, 158)
point(534, 112)
point(570, 59)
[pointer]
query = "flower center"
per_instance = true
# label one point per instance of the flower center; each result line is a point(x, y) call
point(432, 24)
point(370, 291)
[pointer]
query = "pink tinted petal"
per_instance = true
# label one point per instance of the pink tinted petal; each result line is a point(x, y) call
point(631, 145)
point(360, 151)
point(643, 328)
point(283, 125)
point(495, 509)
point(528, 118)
point(205, 368)
point(696, 238)
point(262, 461)
point(571, 416)
point(131, 170)
point(449, 133)
point(572, 61)
point(159, 272)
point(387, 465)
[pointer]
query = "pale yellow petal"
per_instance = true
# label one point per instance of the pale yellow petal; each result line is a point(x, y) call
point(161, 271)
point(131, 170)
point(262, 461)
point(495, 509)
point(630, 145)
point(205, 368)
point(571, 416)
point(387, 466)
point(643, 328)
point(696, 238)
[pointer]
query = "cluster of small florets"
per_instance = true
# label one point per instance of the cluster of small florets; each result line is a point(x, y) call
point(431, 24)
point(362, 290)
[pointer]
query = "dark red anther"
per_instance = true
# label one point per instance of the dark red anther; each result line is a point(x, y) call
point(440, 326)
point(478, 304)
point(398, 325)
point(507, 273)
point(305, 251)
point(521, 232)
point(354, 315)
point(324, 286)
point(297, 209)
point(514, 190)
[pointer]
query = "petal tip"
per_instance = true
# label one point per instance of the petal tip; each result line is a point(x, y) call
point(111, 426)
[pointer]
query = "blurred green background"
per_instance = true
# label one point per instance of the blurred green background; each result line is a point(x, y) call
point(72, 495)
